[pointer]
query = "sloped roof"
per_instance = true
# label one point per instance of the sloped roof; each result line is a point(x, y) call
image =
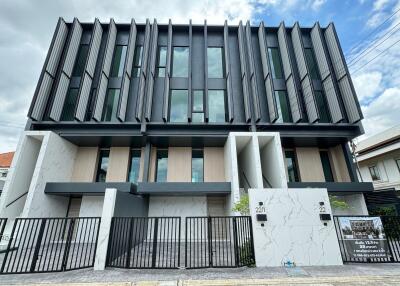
point(6, 159)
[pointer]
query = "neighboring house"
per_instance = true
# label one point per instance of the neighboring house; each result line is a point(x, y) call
point(5, 163)
point(379, 162)
point(183, 119)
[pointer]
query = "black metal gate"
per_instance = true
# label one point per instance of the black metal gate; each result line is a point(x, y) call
point(391, 226)
point(3, 222)
point(144, 242)
point(218, 242)
point(51, 244)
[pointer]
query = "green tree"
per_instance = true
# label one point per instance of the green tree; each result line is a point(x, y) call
point(337, 203)
point(242, 206)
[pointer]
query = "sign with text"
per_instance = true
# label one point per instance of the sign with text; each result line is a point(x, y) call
point(364, 237)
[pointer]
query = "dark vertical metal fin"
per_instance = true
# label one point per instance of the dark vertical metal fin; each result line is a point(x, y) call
point(66, 72)
point(190, 93)
point(346, 87)
point(206, 115)
point(243, 68)
point(143, 72)
point(86, 83)
point(229, 91)
point(105, 72)
point(167, 73)
point(152, 69)
point(268, 82)
point(328, 85)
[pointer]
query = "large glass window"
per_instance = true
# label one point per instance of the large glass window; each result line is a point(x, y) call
point(282, 106)
point(134, 167)
point(373, 170)
point(198, 106)
point(137, 61)
point(162, 166)
point(180, 63)
point(215, 62)
point(291, 166)
point(118, 63)
point(103, 165)
point(312, 64)
point(178, 106)
point(322, 107)
point(197, 166)
point(161, 61)
point(216, 106)
point(68, 113)
point(275, 62)
point(326, 166)
point(111, 105)
point(80, 62)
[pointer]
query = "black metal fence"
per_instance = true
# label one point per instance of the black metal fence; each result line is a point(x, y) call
point(391, 227)
point(51, 244)
point(3, 222)
point(218, 242)
point(144, 242)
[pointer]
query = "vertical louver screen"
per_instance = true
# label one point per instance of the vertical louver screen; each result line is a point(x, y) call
point(152, 70)
point(167, 73)
point(243, 68)
point(228, 73)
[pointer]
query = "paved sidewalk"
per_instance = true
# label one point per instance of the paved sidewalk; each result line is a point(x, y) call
point(349, 275)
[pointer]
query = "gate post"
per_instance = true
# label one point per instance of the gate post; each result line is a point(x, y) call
point(154, 253)
point(37, 246)
point(210, 253)
point(235, 242)
point(128, 254)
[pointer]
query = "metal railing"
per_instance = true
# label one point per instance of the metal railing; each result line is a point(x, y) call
point(144, 242)
point(218, 242)
point(51, 244)
point(3, 223)
point(379, 246)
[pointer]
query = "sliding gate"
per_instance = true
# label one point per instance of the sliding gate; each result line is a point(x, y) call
point(50, 245)
point(219, 242)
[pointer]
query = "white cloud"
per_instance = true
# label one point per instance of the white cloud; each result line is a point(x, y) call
point(367, 85)
point(380, 4)
point(317, 4)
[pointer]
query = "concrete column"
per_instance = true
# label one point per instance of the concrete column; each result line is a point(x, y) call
point(105, 225)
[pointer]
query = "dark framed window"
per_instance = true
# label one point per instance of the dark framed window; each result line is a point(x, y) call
point(197, 166)
point(180, 62)
point(216, 106)
point(215, 62)
point(102, 167)
point(161, 165)
point(324, 116)
point(326, 166)
point(275, 62)
point(68, 113)
point(312, 64)
point(293, 175)
point(80, 62)
point(134, 166)
point(375, 175)
point(118, 63)
point(198, 106)
point(178, 107)
point(161, 61)
point(282, 106)
point(111, 105)
point(137, 61)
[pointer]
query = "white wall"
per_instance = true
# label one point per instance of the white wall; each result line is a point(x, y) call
point(356, 202)
point(91, 206)
point(249, 161)
point(293, 230)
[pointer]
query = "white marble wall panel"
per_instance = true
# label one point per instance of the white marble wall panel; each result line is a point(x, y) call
point(293, 231)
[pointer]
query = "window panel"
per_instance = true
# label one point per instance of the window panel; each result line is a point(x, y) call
point(198, 117)
point(291, 166)
point(111, 105)
point(68, 113)
point(216, 106)
point(312, 64)
point(80, 62)
point(197, 166)
point(162, 166)
point(375, 175)
point(118, 64)
point(161, 61)
point(180, 64)
point(215, 62)
point(137, 61)
point(103, 166)
point(198, 100)
point(134, 168)
point(178, 106)
point(275, 63)
point(282, 105)
point(326, 166)
point(324, 116)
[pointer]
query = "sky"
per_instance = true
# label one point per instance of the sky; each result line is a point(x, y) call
point(368, 36)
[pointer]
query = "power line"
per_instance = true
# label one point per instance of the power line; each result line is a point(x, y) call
point(372, 32)
point(385, 50)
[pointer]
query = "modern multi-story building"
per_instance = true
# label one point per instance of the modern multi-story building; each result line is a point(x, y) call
point(378, 159)
point(184, 119)
point(5, 163)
